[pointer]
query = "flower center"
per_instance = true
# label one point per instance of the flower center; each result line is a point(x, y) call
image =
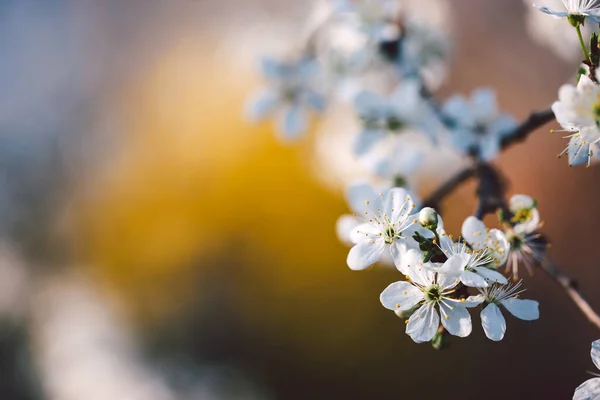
point(389, 235)
point(394, 124)
point(433, 293)
point(515, 241)
point(522, 216)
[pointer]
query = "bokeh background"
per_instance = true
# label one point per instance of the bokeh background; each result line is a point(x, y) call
point(157, 246)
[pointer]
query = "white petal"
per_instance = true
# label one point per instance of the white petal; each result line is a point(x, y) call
point(489, 147)
point(459, 109)
point(523, 309)
point(293, 123)
point(588, 390)
point(364, 231)
point(423, 324)
point(483, 104)
point(530, 225)
point(414, 268)
point(362, 198)
point(454, 265)
point(493, 322)
point(261, 105)
point(491, 275)
point(344, 226)
point(471, 279)
point(595, 353)
point(473, 231)
point(397, 204)
point(403, 261)
point(365, 254)
point(456, 319)
point(520, 202)
point(401, 296)
point(560, 14)
point(469, 302)
point(366, 139)
point(578, 152)
point(495, 240)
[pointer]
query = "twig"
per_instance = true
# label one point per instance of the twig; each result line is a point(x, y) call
point(448, 187)
point(534, 121)
point(572, 290)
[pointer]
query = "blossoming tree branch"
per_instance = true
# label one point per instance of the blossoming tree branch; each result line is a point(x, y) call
point(385, 62)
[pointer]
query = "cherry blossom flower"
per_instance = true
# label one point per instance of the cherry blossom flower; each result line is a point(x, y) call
point(589, 9)
point(492, 320)
point(476, 126)
point(578, 112)
point(480, 238)
point(432, 293)
point(590, 389)
point(386, 219)
point(290, 96)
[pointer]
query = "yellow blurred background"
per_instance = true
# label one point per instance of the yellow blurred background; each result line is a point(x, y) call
point(214, 245)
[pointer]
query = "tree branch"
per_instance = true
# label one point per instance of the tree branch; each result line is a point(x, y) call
point(570, 286)
point(518, 134)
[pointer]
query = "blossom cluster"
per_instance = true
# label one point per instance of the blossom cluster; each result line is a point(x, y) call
point(440, 272)
point(382, 62)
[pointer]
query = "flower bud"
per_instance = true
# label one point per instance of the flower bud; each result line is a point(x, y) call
point(428, 218)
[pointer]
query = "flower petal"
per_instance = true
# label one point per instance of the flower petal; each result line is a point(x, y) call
point(588, 390)
point(493, 322)
point(403, 261)
point(423, 324)
point(397, 204)
point(469, 302)
point(526, 310)
point(401, 296)
point(473, 231)
point(456, 319)
point(471, 279)
point(595, 353)
point(261, 105)
point(366, 139)
point(364, 231)
point(362, 198)
point(496, 242)
point(365, 254)
point(491, 275)
point(293, 123)
point(345, 226)
point(454, 265)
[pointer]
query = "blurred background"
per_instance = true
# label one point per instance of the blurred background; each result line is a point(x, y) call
point(157, 246)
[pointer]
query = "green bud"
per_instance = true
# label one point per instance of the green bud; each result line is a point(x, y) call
point(576, 19)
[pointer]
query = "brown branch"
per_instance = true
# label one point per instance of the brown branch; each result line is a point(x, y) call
point(570, 286)
point(521, 132)
point(534, 121)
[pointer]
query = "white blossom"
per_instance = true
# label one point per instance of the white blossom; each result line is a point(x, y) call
point(476, 126)
point(492, 320)
point(431, 292)
point(290, 96)
point(480, 238)
point(381, 115)
point(590, 389)
point(527, 245)
point(385, 228)
point(578, 112)
point(477, 266)
point(586, 8)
